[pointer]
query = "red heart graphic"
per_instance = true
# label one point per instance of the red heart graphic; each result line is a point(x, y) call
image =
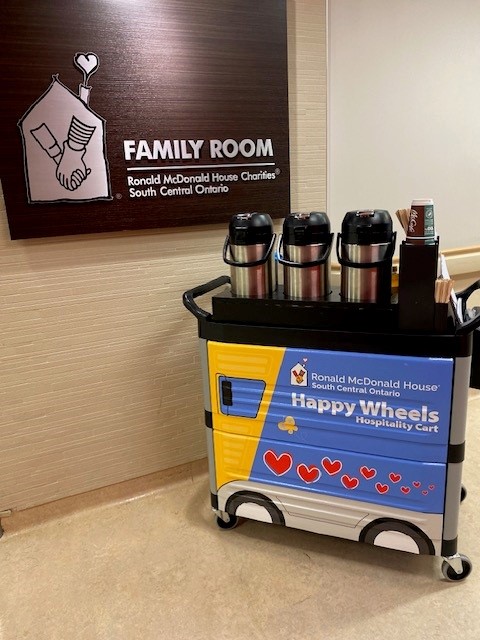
point(431, 487)
point(405, 490)
point(349, 483)
point(331, 466)
point(416, 484)
point(278, 464)
point(425, 493)
point(395, 477)
point(381, 488)
point(367, 473)
point(308, 474)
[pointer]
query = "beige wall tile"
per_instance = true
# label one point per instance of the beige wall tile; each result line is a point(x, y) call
point(99, 371)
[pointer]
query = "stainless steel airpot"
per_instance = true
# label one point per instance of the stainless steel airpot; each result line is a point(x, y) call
point(248, 250)
point(365, 249)
point(304, 252)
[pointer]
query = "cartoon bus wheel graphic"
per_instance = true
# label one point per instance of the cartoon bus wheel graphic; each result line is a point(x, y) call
point(405, 536)
point(252, 505)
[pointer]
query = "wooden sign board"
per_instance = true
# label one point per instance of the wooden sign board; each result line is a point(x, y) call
point(145, 114)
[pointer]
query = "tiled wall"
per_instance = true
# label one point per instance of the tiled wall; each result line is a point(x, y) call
point(99, 372)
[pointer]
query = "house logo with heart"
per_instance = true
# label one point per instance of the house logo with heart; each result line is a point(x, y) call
point(299, 374)
point(64, 142)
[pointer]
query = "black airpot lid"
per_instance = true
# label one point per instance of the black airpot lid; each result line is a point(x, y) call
point(301, 229)
point(368, 226)
point(250, 228)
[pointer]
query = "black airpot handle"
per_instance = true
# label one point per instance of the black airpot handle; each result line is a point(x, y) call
point(254, 263)
point(367, 265)
point(314, 263)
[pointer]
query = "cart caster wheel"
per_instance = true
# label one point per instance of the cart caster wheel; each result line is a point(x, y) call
point(450, 573)
point(463, 494)
point(227, 521)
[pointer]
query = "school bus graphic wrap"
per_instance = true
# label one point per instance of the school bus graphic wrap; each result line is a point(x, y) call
point(366, 427)
point(242, 378)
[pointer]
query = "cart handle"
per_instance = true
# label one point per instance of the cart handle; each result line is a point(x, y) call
point(190, 295)
point(473, 323)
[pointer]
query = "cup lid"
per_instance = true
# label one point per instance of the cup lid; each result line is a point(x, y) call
point(421, 202)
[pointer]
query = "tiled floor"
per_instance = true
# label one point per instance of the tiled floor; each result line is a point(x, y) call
point(145, 561)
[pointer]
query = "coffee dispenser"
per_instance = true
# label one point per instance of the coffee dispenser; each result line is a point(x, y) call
point(365, 249)
point(306, 243)
point(248, 250)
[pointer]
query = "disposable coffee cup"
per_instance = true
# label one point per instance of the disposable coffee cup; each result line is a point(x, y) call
point(421, 222)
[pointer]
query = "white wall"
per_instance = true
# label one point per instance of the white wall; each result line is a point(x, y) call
point(404, 110)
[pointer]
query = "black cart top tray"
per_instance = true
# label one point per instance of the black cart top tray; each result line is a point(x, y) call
point(326, 324)
point(331, 313)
